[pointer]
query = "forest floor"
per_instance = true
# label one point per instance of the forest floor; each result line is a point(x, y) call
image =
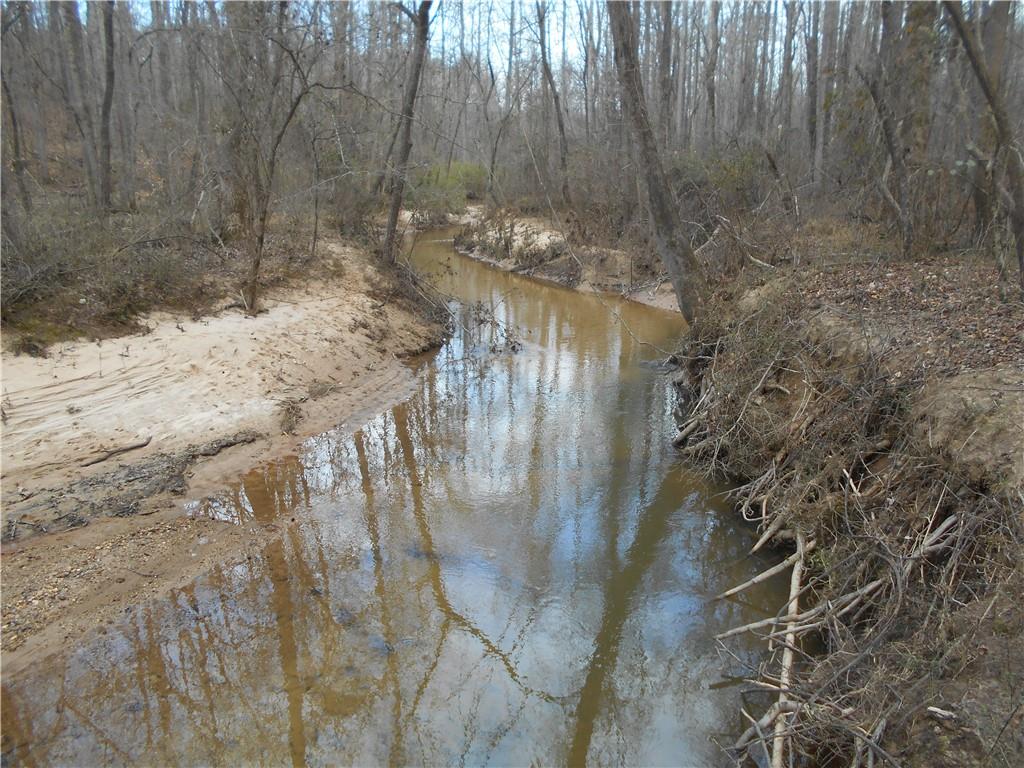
point(102, 439)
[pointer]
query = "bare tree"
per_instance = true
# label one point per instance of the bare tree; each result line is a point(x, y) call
point(786, 88)
point(811, 24)
point(108, 103)
point(711, 65)
point(185, 115)
point(563, 144)
point(878, 82)
point(665, 71)
point(266, 70)
point(673, 248)
point(76, 89)
point(421, 22)
point(1014, 196)
point(18, 162)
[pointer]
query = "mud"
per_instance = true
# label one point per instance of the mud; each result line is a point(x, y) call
point(82, 540)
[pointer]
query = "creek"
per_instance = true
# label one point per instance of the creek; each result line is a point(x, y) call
point(511, 567)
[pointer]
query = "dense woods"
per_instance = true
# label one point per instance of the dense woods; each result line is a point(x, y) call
point(146, 140)
point(833, 191)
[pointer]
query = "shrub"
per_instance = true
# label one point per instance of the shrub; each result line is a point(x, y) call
point(440, 189)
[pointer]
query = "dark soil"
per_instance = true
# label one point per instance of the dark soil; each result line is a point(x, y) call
point(121, 492)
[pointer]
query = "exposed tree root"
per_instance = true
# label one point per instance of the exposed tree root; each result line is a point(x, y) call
point(889, 537)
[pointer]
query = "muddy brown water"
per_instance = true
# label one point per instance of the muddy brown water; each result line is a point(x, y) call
point(513, 567)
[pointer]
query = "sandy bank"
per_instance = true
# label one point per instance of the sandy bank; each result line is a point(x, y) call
point(87, 530)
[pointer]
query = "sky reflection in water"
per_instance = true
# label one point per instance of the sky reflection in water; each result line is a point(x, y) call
point(512, 567)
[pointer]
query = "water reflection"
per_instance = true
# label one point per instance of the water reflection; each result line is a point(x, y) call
point(509, 568)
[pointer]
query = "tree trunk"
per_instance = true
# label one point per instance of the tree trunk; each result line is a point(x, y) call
point(76, 88)
point(995, 23)
point(766, 73)
point(17, 147)
point(422, 24)
point(673, 248)
point(563, 144)
point(786, 118)
point(745, 104)
point(878, 86)
point(712, 65)
point(665, 73)
point(829, 55)
point(159, 11)
point(108, 103)
point(125, 107)
point(811, 45)
point(682, 74)
point(1004, 128)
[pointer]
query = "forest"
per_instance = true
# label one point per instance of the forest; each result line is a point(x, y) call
point(230, 229)
point(173, 134)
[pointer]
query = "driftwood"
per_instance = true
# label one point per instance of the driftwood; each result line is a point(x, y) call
point(796, 558)
point(779, 740)
point(773, 528)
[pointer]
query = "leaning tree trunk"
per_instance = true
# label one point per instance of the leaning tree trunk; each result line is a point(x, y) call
point(422, 22)
point(673, 247)
point(1004, 128)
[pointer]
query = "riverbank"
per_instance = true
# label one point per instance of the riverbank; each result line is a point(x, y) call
point(490, 538)
point(102, 440)
point(533, 246)
point(872, 413)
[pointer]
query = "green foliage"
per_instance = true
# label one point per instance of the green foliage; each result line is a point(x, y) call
point(738, 175)
point(438, 189)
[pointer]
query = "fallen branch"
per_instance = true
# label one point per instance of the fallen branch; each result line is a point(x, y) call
point(116, 451)
point(787, 654)
point(774, 527)
point(767, 719)
point(796, 558)
point(685, 432)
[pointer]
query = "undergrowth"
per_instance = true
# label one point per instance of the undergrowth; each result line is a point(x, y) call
point(823, 444)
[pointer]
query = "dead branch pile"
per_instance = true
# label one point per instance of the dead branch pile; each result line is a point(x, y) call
point(889, 540)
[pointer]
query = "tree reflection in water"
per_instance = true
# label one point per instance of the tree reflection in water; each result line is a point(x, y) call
point(511, 567)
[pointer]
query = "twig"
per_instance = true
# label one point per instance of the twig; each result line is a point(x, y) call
point(116, 451)
point(787, 654)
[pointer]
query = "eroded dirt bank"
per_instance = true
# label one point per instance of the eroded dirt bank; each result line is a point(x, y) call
point(536, 247)
point(101, 440)
point(874, 415)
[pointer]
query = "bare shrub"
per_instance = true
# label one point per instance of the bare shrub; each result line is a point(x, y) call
point(821, 440)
